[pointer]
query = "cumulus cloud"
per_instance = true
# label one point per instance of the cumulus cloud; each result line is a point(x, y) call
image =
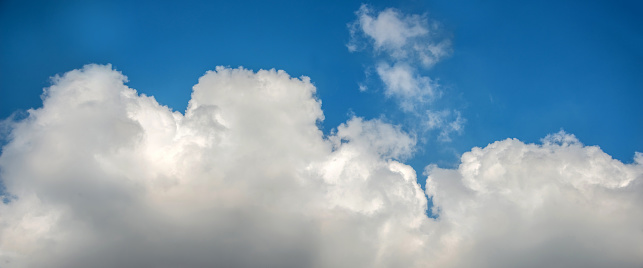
point(106, 177)
point(557, 204)
point(403, 45)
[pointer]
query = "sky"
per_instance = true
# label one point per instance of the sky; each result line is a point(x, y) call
point(324, 134)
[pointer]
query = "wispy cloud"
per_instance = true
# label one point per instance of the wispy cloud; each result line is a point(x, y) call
point(402, 81)
point(404, 46)
point(393, 34)
point(446, 121)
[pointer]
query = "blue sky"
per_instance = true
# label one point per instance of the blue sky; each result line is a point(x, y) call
point(518, 70)
point(418, 98)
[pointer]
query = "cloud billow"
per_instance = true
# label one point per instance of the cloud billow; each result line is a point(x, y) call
point(107, 177)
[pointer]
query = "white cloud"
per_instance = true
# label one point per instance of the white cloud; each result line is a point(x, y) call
point(105, 177)
point(559, 204)
point(403, 82)
point(362, 87)
point(446, 121)
point(389, 29)
point(400, 36)
point(404, 45)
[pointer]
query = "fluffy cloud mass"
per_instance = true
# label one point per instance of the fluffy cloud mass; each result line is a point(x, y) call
point(559, 204)
point(102, 176)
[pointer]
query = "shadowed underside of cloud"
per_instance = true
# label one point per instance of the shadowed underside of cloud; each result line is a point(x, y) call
point(106, 177)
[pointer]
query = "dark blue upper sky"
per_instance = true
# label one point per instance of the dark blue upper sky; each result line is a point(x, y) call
point(519, 70)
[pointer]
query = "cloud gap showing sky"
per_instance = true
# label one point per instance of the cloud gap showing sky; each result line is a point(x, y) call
point(104, 176)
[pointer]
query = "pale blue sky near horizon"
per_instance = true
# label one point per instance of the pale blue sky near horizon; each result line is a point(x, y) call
point(518, 70)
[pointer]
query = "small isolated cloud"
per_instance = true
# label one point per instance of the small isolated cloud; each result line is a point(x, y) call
point(106, 177)
point(404, 45)
point(398, 36)
point(402, 81)
point(448, 122)
point(362, 87)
